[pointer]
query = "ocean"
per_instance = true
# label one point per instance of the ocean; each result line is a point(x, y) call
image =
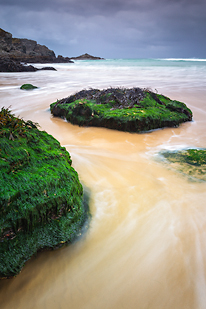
point(145, 246)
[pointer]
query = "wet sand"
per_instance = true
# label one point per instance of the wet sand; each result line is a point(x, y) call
point(145, 246)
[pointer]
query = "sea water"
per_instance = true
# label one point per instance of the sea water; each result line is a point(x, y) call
point(146, 243)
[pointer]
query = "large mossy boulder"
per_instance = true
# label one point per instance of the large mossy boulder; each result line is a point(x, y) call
point(41, 198)
point(132, 110)
point(190, 162)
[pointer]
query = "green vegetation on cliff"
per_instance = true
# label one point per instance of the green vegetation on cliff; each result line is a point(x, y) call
point(41, 198)
point(191, 162)
point(132, 110)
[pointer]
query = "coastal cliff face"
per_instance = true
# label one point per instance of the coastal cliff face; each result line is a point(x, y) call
point(26, 50)
point(31, 48)
point(5, 42)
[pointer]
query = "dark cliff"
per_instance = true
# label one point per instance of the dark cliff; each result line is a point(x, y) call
point(25, 50)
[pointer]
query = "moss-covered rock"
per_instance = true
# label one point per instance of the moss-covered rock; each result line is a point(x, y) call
point(41, 198)
point(191, 162)
point(28, 87)
point(132, 110)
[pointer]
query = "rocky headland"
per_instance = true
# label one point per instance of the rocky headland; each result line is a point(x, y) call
point(42, 204)
point(27, 51)
point(131, 110)
point(15, 51)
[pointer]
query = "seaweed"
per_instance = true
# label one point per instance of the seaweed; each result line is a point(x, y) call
point(28, 87)
point(41, 198)
point(132, 110)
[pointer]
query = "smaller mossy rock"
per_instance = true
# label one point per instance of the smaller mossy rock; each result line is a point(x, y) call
point(190, 162)
point(41, 197)
point(132, 110)
point(28, 87)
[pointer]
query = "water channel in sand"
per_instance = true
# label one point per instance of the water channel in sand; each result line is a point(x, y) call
point(146, 243)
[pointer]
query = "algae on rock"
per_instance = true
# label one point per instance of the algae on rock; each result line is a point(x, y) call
point(132, 110)
point(28, 87)
point(41, 198)
point(190, 162)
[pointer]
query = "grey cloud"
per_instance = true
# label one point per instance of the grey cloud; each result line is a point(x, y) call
point(90, 7)
point(132, 28)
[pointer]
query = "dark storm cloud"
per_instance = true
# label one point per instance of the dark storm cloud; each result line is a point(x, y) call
point(132, 28)
point(76, 7)
point(104, 6)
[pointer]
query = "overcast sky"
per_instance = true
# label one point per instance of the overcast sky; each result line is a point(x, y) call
point(111, 29)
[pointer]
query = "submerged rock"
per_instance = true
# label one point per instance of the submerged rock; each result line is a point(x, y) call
point(190, 162)
point(41, 198)
point(132, 110)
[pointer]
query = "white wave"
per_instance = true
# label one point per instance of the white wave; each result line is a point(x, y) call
point(182, 59)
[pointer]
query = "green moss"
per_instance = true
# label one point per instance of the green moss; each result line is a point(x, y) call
point(132, 110)
point(28, 87)
point(41, 198)
point(191, 162)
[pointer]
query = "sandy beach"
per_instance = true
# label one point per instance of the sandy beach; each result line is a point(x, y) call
point(145, 246)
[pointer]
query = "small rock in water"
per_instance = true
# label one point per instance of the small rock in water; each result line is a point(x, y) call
point(28, 87)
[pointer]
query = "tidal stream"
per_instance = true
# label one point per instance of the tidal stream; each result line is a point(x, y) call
point(146, 243)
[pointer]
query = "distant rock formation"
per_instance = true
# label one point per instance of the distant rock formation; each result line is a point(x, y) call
point(28, 51)
point(86, 57)
point(14, 50)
